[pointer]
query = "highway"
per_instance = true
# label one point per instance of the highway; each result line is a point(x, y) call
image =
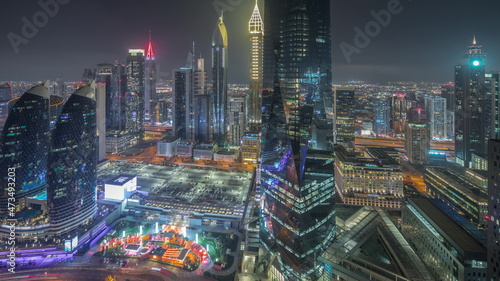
point(397, 143)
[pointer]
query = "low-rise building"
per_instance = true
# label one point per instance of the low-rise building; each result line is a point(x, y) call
point(167, 147)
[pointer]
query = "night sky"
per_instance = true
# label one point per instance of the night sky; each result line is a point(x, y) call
point(421, 43)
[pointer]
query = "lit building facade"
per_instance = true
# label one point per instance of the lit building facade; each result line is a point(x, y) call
point(237, 118)
point(71, 171)
point(374, 179)
point(440, 238)
point(344, 116)
point(250, 148)
point(470, 106)
point(135, 94)
point(458, 192)
point(494, 210)
point(256, 29)
point(436, 117)
point(382, 116)
point(418, 143)
point(492, 87)
point(202, 112)
point(219, 83)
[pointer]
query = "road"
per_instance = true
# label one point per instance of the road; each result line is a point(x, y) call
point(396, 143)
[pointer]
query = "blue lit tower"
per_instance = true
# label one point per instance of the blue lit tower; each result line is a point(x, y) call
point(297, 184)
point(25, 141)
point(219, 82)
point(471, 103)
point(71, 172)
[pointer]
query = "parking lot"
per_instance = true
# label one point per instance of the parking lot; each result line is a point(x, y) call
point(189, 186)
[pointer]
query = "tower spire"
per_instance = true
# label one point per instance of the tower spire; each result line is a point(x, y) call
point(150, 53)
point(474, 40)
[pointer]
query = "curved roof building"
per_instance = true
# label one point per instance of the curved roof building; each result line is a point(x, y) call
point(24, 144)
point(71, 173)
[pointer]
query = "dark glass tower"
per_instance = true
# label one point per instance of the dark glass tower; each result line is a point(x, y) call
point(25, 141)
point(345, 117)
point(71, 172)
point(181, 99)
point(471, 104)
point(297, 185)
point(135, 93)
point(219, 84)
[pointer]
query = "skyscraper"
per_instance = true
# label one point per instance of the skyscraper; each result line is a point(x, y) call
point(492, 87)
point(493, 210)
point(150, 76)
point(345, 117)
point(382, 116)
point(5, 96)
point(135, 94)
point(72, 161)
point(297, 190)
point(237, 118)
point(417, 143)
point(181, 97)
point(256, 29)
point(25, 141)
point(470, 106)
point(201, 104)
point(435, 108)
point(219, 83)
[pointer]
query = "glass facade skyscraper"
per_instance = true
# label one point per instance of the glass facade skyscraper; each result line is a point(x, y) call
point(471, 103)
point(297, 182)
point(219, 84)
point(71, 172)
point(135, 94)
point(25, 141)
point(256, 29)
point(150, 76)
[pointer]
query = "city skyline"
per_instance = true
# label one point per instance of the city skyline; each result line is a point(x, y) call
point(421, 47)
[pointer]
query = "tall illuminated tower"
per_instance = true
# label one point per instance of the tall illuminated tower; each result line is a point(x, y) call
point(256, 29)
point(219, 82)
point(149, 83)
point(297, 181)
point(135, 94)
point(72, 162)
point(471, 104)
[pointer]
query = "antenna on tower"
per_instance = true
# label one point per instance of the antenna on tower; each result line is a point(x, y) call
point(474, 40)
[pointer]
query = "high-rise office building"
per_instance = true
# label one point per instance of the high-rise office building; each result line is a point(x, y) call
point(400, 106)
point(201, 104)
point(237, 118)
point(88, 75)
point(301, 30)
point(435, 108)
point(298, 206)
point(219, 83)
point(297, 196)
point(382, 116)
point(25, 142)
point(493, 218)
point(135, 94)
point(182, 94)
point(72, 161)
point(5, 91)
point(100, 98)
point(447, 92)
point(344, 116)
point(256, 29)
point(492, 88)
point(150, 76)
point(470, 106)
point(418, 143)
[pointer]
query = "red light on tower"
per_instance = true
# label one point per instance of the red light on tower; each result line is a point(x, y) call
point(150, 54)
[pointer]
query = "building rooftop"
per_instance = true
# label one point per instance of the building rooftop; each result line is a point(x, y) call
point(120, 180)
point(450, 227)
point(467, 188)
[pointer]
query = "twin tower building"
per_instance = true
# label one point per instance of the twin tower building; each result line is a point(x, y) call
point(48, 154)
